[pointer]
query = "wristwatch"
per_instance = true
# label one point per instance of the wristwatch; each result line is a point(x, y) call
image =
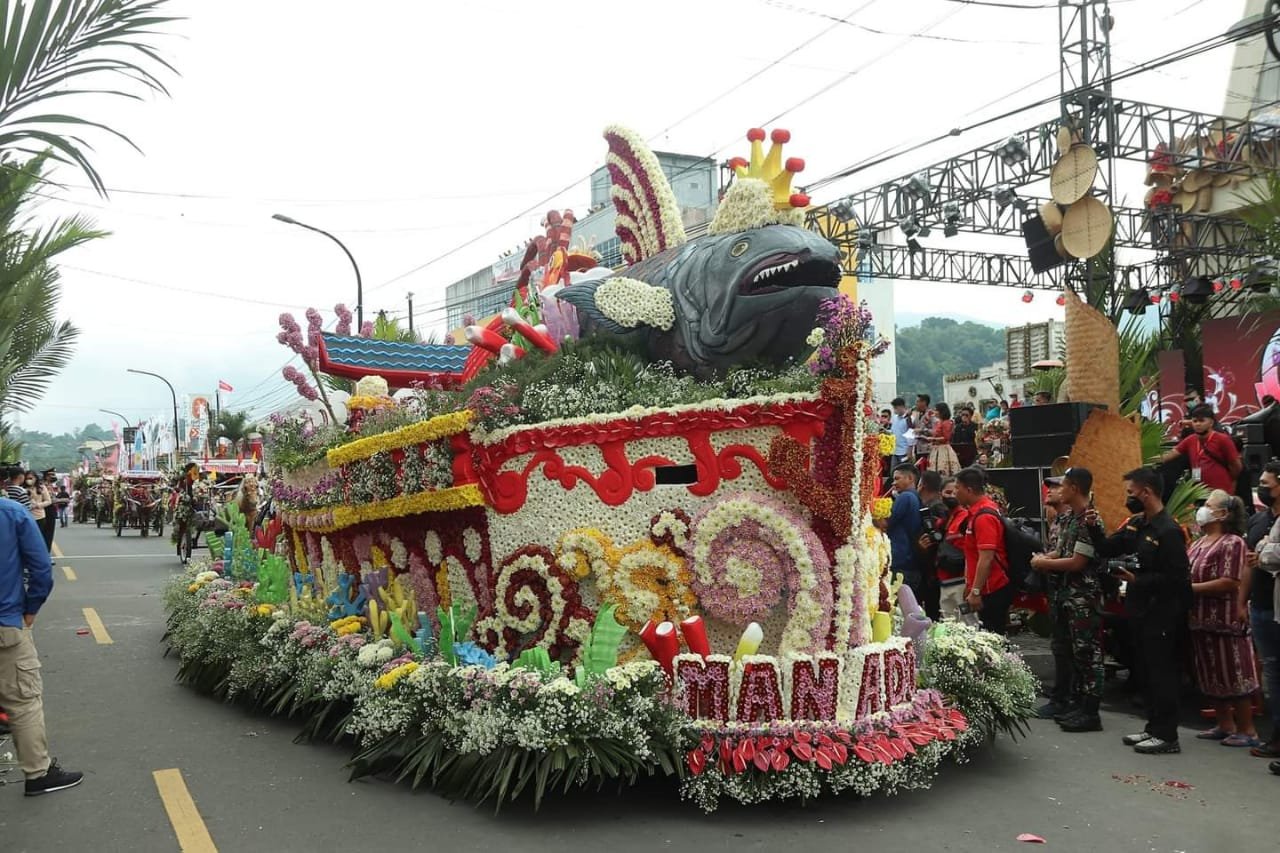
point(976, 591)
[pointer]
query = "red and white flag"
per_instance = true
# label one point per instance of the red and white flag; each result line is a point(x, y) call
point(225, 386)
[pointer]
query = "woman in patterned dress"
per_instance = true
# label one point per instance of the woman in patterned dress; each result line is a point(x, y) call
point(942, 457)
point(1221, 649)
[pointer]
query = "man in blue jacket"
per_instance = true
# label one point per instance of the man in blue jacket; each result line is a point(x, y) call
point(904, 526)
point(26, 578)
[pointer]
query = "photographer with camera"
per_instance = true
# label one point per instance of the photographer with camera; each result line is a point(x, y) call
point(1075, 596)
point(1157, 596)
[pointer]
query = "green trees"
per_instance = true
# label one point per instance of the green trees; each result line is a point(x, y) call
point(940, 345)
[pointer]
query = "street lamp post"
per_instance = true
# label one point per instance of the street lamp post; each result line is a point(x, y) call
point(117, 414)
point(177, 441)
point(359, 284)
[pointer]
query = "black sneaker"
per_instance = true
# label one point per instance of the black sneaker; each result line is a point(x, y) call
point(1157, 746)
point(1082, 721)
point(1274, 767)
point(1071, 710)
point(1135, 739)
point(56, 779)
point(1051, 709)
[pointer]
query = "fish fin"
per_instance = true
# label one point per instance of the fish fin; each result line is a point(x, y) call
point(582, 296)
point(648, 216)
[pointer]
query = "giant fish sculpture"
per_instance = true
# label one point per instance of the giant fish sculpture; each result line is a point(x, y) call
point(748, 291)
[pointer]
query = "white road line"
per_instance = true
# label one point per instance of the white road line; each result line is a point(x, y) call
point(77, 557)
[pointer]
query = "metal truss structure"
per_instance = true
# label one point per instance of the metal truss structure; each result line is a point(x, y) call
point(970, 192)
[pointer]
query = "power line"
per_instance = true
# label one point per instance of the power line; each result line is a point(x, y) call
point(802, 10)
point(174, 287)
point(1159, 62)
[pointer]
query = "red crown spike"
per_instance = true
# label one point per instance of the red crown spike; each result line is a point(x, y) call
point(780, 136)
point(799, 200)
point(795, 165)
point(756, 134)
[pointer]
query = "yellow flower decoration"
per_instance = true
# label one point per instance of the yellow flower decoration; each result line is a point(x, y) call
point(887, 444)
point(881, 508)
point(442, 586)
point(644, 580)
point(438, 427)
point(441, 500)
point(264, 609)
point(389, 679)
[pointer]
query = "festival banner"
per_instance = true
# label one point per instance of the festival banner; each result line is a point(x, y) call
point(195, 416)
point(1241, 363)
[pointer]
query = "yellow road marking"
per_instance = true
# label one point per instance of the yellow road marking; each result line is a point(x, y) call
point(57, 552)
point(95, 625)
point(69, 572)
point(193, 835)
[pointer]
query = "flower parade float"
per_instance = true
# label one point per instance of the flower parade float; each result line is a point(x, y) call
point(596, 545)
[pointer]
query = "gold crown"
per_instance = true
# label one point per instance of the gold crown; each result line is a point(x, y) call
point(771, 169)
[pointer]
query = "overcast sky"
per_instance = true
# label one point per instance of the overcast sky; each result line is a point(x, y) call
point(410, 130)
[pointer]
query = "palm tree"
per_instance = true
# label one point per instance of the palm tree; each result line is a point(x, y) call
point(34, 345)
point(65, 48)
point(234, 426)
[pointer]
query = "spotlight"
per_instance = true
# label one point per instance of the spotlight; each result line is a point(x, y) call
point(866, 240)
point(1062, 299)
point(1135, 301)
point(1196, 290)
point(1004, 195)
point(1155, 299)
point(918, 187)
point(951, 219)
point(1175, 294)
point(1259, 279)
point(1217, 286)
point(1236, 283)
point(925, 231)
point(1027, 296)
point(842, 209)
point(1013, 151)
point(909, 225)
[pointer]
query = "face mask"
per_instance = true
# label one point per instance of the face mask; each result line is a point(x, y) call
point(1134, 505)
point(1265, 495)
point(951, 502)
point(1205, 515)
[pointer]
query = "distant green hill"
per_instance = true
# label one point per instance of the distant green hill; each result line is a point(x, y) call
point(940, 345)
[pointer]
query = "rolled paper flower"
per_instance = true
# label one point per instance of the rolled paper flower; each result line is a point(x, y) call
point(695, 635)
point(907, 601)
point(509, 353)
point(485, 339)
point(539, 339)
point(750, 642)
point(649, 636)
point(881, 626)
point(668, 646)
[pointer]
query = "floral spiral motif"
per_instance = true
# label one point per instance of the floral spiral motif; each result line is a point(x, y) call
point(536, 604)
point(645, 581)
point(745, 550)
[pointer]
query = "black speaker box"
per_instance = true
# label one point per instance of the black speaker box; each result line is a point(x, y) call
point(1053, 419)
point(1023, 489)
point(1249, 433)
point(1040, 451)
point(1254, 457)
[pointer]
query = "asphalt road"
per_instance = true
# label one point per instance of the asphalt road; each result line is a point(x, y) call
point(114, 711)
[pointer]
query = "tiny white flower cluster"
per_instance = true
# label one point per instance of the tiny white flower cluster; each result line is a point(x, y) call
point(816, 337)
point(631, 303)
point(749, 204)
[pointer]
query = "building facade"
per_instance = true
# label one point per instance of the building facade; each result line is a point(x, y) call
point(1015, 374)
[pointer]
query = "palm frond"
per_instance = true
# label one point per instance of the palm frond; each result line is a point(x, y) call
point(69, 48)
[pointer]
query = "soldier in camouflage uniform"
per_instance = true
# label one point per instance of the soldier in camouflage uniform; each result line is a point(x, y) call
point(1075, 586)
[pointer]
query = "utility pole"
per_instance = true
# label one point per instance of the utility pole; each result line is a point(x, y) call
point(410, 298)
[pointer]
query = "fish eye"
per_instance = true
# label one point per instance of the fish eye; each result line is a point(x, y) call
point(739, 248)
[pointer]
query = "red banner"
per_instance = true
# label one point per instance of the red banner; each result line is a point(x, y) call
point(1241, 363)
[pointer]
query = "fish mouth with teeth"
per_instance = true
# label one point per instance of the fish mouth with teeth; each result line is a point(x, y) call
point(783, 270)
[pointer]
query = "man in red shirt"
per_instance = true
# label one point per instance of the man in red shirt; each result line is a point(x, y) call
point(1211, 454)
point(987, 588)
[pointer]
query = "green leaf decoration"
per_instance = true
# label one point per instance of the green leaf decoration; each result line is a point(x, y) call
point(400, 634)
point(537, 659)
point(601, 650)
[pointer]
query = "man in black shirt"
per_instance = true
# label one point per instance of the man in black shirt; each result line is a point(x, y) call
point(1256, 597)
point(1156, 599)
